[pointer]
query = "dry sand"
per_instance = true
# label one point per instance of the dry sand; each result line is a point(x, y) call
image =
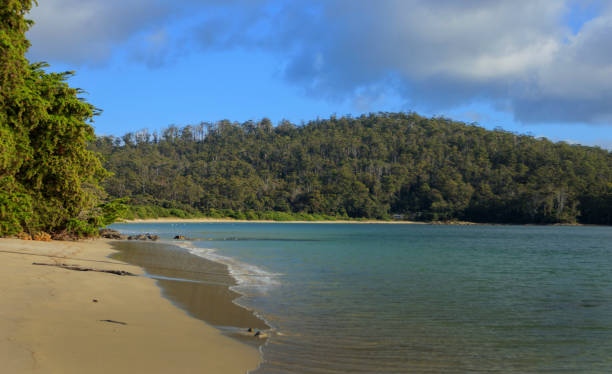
point(49, 322)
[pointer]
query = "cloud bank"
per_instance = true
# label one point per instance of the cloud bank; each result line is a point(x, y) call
point(521, 56)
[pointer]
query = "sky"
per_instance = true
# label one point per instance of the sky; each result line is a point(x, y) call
point(537, 67)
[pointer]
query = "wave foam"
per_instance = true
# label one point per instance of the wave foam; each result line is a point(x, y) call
point(250, 279)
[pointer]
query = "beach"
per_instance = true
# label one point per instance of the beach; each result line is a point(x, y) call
point(56, 320)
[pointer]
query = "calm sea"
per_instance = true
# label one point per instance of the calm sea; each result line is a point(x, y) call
point(394, 298)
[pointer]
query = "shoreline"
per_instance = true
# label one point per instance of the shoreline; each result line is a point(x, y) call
point(368, 222)
point(230, 220)
point(186, 279)
point(56, 320)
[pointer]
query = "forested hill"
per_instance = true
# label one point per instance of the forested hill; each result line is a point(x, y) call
point(373, 166)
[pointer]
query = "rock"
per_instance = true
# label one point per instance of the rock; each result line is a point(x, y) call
point(179, 237)
point(42, 237)
point(137, 237)
point(24, 236)
point(95, 300)
point(254, 334)
point(142, 237)
point(110, 234)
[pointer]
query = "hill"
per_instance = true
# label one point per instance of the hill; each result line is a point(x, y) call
point(373, 166)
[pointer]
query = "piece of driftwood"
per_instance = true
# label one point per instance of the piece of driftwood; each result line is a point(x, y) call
point(113, 321)
point(80, 268)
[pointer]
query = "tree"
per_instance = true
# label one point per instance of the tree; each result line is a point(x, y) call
point(49, 179)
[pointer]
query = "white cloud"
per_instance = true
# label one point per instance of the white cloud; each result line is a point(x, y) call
point(516, 54)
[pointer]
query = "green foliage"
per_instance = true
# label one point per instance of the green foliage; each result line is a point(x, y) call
point(373, 166)
point(50, 179)
point(154, 211)
point(111, 211)
point(80, 228)
point(15, 207)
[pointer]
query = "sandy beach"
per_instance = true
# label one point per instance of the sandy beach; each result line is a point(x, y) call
point(55, 320)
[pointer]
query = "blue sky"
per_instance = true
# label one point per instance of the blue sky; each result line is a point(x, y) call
point(540, 67)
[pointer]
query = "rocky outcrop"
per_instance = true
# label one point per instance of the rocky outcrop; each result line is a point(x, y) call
point(111, 234)
point(143, 237)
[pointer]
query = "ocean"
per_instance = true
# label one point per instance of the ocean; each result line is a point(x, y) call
point(411, 298)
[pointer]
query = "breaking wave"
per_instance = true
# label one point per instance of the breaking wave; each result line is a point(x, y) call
point(250, 279)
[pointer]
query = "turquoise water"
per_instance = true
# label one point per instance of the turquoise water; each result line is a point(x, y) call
point(419, 298)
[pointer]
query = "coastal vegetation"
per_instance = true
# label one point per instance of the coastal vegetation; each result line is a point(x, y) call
point(132, 212)
point(49, 180)
point(376, 166)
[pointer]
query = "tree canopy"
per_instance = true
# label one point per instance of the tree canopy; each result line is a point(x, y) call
point(373, 166)
point(49, 180)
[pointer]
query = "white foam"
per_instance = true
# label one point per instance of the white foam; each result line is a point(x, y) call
point(250, 279)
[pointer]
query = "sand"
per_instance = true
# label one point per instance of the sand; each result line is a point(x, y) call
point(207, 297)
point(49, 322)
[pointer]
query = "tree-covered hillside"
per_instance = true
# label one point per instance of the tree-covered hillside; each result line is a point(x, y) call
point(372, 166)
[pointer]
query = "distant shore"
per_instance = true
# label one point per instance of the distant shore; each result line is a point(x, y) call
point(369, 221)
point(217, 220)
point(56, 320)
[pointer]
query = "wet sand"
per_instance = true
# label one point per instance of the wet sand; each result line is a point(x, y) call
point(197, 285)
point(50, 323)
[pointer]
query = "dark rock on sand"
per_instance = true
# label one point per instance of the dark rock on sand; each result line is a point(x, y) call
point(179, 237)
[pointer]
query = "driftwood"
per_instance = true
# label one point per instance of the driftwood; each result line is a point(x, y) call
point(113, 321)
point(80, 268)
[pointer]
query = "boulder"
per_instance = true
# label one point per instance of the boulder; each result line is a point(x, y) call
point(110, 234)
point(137, 237)
point(142, 237)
